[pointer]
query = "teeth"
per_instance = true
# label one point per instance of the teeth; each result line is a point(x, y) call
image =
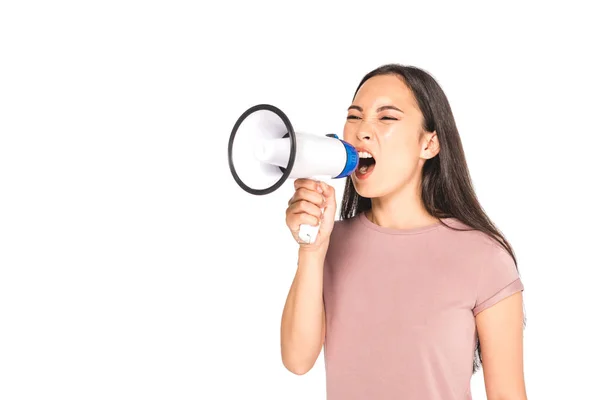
point(364, 154)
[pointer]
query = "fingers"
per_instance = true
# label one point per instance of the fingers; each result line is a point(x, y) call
point(310, 184)
point(328, 196)
point(295, 220)
point(304, 206)
point(318, 193)
point(307, 195)
point(308, 202)
point(314, 186)
point(328, 191)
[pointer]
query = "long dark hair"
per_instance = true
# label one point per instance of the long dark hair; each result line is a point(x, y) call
point(447, 190)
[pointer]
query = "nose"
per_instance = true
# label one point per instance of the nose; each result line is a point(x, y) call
point(363, 133)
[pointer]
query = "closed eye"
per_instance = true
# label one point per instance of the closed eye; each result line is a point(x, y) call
point(383, 118)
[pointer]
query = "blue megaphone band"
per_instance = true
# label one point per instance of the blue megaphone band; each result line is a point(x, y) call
point(351, 160)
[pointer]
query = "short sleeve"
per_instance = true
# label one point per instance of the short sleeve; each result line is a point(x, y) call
point(498, 279)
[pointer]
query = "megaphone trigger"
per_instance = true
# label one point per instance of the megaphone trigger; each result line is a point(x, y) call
point(308, 233)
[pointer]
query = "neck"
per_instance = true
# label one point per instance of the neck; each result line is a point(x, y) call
point(402, 209)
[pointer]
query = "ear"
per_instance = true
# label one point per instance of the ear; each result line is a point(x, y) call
point(431, 145)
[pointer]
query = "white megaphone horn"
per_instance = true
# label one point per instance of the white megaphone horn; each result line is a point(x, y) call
point(264, 151)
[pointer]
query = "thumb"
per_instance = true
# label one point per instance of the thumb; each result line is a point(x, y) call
point(330, 202)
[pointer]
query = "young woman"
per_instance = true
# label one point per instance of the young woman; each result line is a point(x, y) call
point(414, 287)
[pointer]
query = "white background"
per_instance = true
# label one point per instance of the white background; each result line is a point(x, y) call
point(133, 267)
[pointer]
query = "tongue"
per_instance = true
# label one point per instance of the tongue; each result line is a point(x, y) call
point(365, 165)
point(365, 168)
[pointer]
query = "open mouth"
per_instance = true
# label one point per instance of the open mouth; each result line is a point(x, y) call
point(366, 163)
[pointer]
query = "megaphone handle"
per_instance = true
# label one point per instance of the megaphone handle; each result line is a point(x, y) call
point(308, 233)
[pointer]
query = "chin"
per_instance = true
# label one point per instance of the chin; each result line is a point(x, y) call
point(365, 188)
point(374, 188)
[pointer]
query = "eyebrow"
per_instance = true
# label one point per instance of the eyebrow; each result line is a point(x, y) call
point(386, 107)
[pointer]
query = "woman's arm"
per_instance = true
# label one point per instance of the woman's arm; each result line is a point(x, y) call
point(500, 330)
point(303, 319)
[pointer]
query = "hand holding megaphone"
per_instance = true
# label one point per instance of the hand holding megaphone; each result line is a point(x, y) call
point(311, 210)
point(264, 151)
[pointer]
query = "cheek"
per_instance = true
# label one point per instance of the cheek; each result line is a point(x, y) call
point(399, 146)
point(349, 133)
point(400, 154)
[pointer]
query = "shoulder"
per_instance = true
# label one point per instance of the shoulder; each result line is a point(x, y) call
point(346, 234)
point(341, 225)
point(466, 237)
point(478, 252)
point(490, 267)
point(342, 228)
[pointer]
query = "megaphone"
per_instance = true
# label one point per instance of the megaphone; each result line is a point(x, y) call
point(264, 151)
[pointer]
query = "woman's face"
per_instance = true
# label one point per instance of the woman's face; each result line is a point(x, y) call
point(385, 122)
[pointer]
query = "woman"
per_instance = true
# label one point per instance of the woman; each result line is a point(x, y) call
point(413, 288)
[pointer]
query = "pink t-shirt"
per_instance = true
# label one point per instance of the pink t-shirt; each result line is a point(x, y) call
point(400, 308)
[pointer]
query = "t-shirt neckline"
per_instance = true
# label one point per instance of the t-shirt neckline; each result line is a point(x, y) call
point(395, 231)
